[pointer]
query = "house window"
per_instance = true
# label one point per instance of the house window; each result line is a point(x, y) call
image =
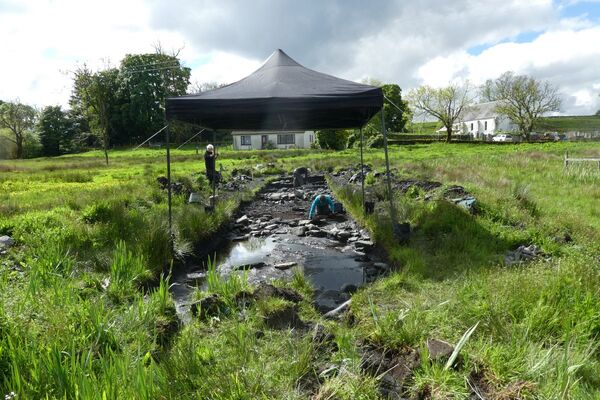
point(471, 127)
point(288, 138)
point(246, 140)
point(485, 126)
point(310, 138)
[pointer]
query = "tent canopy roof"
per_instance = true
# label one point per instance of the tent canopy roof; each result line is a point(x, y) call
point(280, 95)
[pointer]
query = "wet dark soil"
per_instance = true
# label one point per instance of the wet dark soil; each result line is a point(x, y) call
point(271, 237)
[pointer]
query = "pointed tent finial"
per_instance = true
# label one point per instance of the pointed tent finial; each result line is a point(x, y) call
point(280, 59)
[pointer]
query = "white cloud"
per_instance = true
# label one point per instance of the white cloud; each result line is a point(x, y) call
point(224, 67)
point(47, 39)
point(394, 40)
point(567, 58)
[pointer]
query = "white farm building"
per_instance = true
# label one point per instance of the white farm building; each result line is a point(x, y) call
point(482, 121)
point(246, 140)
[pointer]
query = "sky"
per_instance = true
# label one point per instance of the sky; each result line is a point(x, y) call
point(411, 43)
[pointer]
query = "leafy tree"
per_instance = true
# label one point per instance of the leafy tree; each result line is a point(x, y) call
point(334, 139)
point(18, 118)
point(199, 87)
point(146, 80)
point(446, 104)
point(522, 98)
point(55, 131)
point(124, 105)
point(98, 94)
point(397, 114)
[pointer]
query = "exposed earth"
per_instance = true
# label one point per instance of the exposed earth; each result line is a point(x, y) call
point(272, 237)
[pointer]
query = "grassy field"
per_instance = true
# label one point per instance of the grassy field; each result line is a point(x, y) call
point(85, 311)
point(580, 123)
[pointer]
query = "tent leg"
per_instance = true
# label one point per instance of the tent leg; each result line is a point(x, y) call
point(214, 184)
point(362, 169)
point(387, 168)
point(169, 182)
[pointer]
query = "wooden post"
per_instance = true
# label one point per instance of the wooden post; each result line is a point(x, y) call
point(566, 159)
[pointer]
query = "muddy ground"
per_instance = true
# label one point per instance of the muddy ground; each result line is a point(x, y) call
point(271, 237)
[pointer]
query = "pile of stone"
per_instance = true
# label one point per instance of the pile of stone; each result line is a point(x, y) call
point(523, 254)
point(406, 184)
point(6, 242)
point(176, 187)
point(355, 174)
point(238, 181)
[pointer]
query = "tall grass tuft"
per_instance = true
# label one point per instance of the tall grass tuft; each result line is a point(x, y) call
point(226, 287)
point(127, 272)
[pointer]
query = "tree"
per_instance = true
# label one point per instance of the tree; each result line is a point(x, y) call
point(397, 114)
point(199, 87)
point(124, 105)
point(446, 104)
point(522, 98)
point(146, 80)
point(334, 139)
point(98, 93)
point(55, 131)
point(18, 118)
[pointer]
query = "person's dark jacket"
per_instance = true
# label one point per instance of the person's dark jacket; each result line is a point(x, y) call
point(209, 162)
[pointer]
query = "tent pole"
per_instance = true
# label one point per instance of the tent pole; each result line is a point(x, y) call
point(387, 168)
point(169, 182)
point(214, 185)
point(362, 169)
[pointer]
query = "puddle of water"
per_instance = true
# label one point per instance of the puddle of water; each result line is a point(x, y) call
point(328, 269)
point(248, 252)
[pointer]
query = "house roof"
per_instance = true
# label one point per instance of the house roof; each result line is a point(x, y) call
point(481, 111)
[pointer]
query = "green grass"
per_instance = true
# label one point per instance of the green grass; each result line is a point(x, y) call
point(423, 128)
point(85, 311)
point(580, 123)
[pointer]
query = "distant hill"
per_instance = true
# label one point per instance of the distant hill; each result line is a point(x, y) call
point(423, 128)
point(581, 123)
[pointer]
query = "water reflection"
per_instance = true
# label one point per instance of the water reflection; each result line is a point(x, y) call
point(249, 252)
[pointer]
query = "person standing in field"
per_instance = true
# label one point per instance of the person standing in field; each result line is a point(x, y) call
point(209, 163)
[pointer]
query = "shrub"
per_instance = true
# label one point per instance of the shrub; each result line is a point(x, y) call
point(98, 212)
point(269, 145)
point(351, 141)
point(375, 141)
point(332, 139)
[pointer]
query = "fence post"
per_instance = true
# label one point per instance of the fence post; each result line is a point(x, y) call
point(566, 159)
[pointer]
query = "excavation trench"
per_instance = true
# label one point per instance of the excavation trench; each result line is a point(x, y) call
point(271, 238)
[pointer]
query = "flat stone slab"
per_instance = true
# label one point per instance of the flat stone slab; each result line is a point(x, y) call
point(243, 220)
point(285, 265)
point(364, 244)
point(438, 349)
point(6, 242)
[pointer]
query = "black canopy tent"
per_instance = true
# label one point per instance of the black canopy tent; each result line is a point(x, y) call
point(281, 95)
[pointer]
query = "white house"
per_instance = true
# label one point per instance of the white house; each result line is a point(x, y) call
point(256, 140)
point(482, 121)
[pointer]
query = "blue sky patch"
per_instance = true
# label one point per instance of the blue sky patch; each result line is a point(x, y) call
point(523, 37)
point(590, 10)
